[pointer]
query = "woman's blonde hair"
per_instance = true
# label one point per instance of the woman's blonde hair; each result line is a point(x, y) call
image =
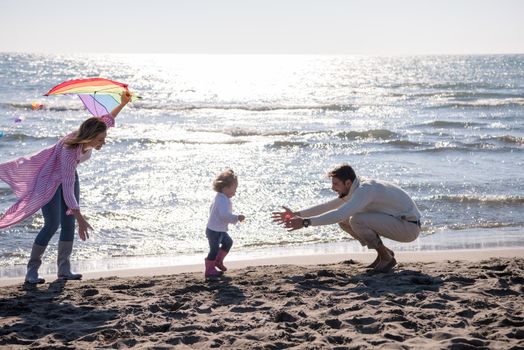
point(224, 179)
point(87, 132)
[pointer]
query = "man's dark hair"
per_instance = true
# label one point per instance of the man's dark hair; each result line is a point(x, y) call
point(343, 172)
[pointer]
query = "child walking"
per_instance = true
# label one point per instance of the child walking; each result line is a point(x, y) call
point(220, 216)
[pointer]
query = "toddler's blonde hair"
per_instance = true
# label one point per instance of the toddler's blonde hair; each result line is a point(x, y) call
point(224, 179)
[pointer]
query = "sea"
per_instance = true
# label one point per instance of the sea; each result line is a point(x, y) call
point(448, 129)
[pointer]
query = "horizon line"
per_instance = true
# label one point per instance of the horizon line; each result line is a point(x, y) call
point(261, 54)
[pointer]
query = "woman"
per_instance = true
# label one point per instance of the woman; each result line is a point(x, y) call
point(48, 180)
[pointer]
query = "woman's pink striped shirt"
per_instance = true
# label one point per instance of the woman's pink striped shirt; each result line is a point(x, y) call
point(34, 179)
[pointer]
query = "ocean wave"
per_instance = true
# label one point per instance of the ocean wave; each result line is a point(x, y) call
point(479, 199)
point(490, 144)
point(381, 134)
point(24, 137)
point(446, 124)
point(190, 107)
point(469, 147)
point(484, 225)
point(509, 139)
point(482, 95)
point(368, 134)
point(481, 146)
point(493, 143)
point(459, 95)
point(246, 107)
point(285, 144)
point(150, 141)
point(53, 107)
point(457, 87)
point(239, 132)
point(247, 132)
point(404, 143)
point(327, 145)
point(5, 191)
point(482, 103)
point(6, 257)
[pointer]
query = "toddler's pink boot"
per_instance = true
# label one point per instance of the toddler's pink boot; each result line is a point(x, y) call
point(210, 269)
point(219, 262)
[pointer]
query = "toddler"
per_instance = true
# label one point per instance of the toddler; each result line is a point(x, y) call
point(220, 216)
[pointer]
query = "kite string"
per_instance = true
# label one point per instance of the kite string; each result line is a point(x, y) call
point(95, 102)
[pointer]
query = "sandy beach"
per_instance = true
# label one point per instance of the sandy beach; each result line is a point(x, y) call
point(433, 300)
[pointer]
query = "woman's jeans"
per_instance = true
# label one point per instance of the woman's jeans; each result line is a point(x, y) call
point(216, 238)
point(55, 215)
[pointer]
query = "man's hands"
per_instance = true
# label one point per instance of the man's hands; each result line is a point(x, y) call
point(294, 224)
point(289, 219)
point(281, 217)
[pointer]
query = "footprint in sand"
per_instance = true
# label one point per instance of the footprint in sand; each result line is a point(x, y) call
point(283, 316)
point(120, 287)
point(466, 313)
point(396, 337)
point(334, 323)
point(90, 292)
point(243, 309)
point(471, 342)
point(144, 285)
point(338, 339)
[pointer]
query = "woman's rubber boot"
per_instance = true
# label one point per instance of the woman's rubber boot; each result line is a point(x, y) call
point(219, 262)
point(211, 272)
point(64, 265)
point(34, 264)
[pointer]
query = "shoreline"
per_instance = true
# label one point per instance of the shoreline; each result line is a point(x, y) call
point(445, 241)
point(234, 263)
point(503, 238)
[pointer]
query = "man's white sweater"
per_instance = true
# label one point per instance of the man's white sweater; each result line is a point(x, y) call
point(369, 197)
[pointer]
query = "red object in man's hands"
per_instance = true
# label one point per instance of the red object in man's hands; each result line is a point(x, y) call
point(287, 217)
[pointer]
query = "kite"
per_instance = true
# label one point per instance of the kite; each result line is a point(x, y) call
point(99, 95)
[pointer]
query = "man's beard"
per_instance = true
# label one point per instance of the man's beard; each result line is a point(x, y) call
point(342, 195)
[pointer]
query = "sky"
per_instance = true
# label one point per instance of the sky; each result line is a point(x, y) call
point(373, 27)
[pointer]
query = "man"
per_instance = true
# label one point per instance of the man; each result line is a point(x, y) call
point(367, 211)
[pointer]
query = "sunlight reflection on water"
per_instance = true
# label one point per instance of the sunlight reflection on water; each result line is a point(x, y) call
point(434, 125)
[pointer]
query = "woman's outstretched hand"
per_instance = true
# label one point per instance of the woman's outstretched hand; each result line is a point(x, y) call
point(83, 225)
point(125, 97)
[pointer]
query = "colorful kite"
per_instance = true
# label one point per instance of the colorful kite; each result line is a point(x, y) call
point(100, 96)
